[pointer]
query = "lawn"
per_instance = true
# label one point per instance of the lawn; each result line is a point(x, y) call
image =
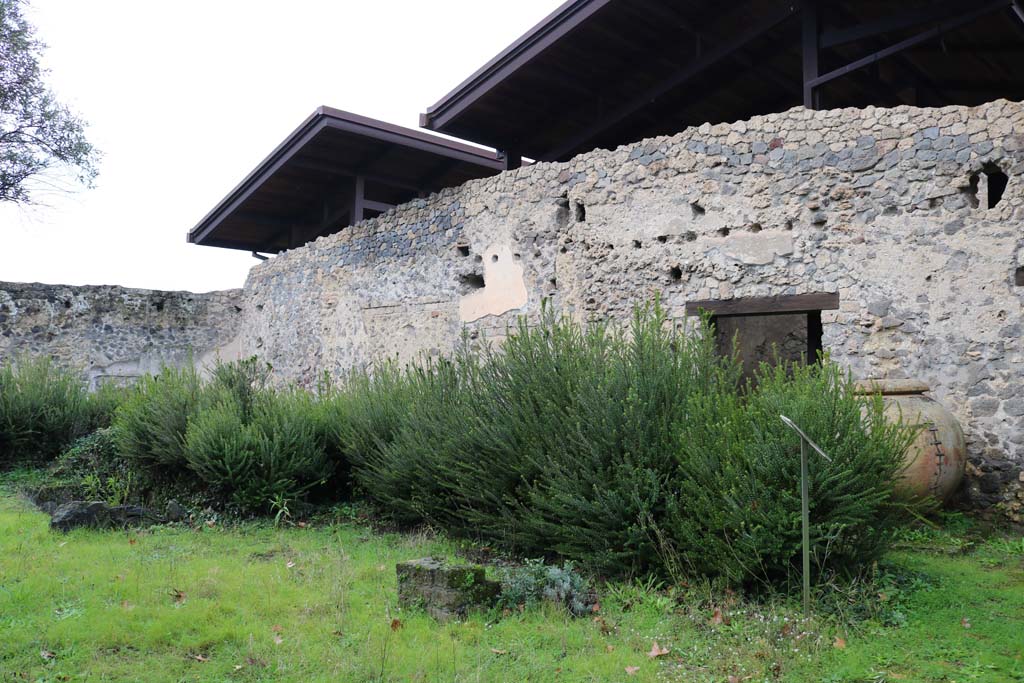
point(251, 602)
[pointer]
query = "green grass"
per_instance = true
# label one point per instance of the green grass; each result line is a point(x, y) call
point(251, 602)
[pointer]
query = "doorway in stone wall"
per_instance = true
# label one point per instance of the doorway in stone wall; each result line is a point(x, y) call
point(768, 329)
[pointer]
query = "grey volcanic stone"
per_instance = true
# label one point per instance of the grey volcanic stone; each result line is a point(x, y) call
point(99, 515)
point(444, 591)
point(175, 511)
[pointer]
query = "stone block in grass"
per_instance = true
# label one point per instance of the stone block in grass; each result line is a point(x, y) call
point(444, 591)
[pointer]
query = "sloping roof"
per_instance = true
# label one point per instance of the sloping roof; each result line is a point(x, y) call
point(600, 73)
point(305, 187)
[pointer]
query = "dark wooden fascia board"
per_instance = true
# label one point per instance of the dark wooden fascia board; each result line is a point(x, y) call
point(767, 305)
point(535, 41)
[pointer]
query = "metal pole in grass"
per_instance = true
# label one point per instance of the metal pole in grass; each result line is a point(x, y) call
point(805, 513)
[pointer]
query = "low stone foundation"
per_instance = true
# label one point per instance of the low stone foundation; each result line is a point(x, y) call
point(444, 592)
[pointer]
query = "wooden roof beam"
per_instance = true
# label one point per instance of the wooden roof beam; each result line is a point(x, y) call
point(711, 57)
point(943, 27)
point(893, 22)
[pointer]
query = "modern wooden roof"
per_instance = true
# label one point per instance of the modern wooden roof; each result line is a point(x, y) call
point(333, 170)
point(600, 73)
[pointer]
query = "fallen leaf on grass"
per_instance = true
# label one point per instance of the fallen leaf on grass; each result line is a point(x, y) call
point(127, 605)
point(277, 628)
point(132, 541)
point(717, 618)
point(605, 628)
point(839, 643)
point(290, 564)
point(238, 667)
point(657, 651)
point(632, 670)
point(965, 622)
point(734, 679)
point(179, 596)
point(201, 658)
point(609, 648)
point(396, 624)
point(211, 523)
point(499, 652)
point(301, 525)
point(278, 639)
point(47, 655)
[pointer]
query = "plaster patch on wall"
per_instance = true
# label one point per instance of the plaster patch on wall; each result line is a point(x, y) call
point(758, 248)
point(504, 287)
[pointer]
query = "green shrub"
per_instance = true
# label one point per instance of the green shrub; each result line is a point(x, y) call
point(43, 408)
point(102, 404)
point(92, 469)
point(604, 463)
point(255, 454)
point(535, 581)
point(735, 507)
point(371, 413)
point(629, 451)
point(150, 423)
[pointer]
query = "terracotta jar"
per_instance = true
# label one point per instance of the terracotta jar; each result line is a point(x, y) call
point(937, 457)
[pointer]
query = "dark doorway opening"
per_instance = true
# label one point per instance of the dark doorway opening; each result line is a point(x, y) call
point(769, 329)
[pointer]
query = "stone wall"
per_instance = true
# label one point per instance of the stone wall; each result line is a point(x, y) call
point(114, 334)
point(889, 208)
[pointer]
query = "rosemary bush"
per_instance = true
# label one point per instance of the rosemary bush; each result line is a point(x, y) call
point(43, 409)
point(629, 450)
point(255, 452)
point(735, 509)
point(150, 424)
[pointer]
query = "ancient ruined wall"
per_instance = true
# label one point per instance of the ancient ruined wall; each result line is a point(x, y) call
point(114, 334)
point(886, 207)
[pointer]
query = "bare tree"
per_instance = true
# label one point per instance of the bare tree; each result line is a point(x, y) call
point(38, 134)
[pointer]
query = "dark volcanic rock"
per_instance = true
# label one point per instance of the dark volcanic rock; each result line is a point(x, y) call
point(99, 515)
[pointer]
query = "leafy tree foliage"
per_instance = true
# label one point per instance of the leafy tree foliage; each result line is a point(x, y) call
point(37, 133)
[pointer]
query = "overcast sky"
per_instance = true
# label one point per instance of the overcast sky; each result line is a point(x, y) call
point(185, 98)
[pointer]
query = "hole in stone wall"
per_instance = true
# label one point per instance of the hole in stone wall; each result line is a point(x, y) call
point(637, 244)
point(690, 236)
point(471, 282)
point(972, 190)
point(553, 282)
point(997, 182)
point(478, 258)
point(663, 238)
point(580, 211)
point(158, 305)
point(756, 227)
point(697, 209)
point(562, 211)
point(723, 232)
point(676, 273)
point(463, 249)
point(67, 303)
point(517, 257)
point(494, 258)
point(1018, 276)
point(789, 225)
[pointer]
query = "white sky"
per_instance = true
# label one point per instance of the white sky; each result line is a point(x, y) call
point(185, 98)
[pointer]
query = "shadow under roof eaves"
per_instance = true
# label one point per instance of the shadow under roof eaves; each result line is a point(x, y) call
point(332, 171)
